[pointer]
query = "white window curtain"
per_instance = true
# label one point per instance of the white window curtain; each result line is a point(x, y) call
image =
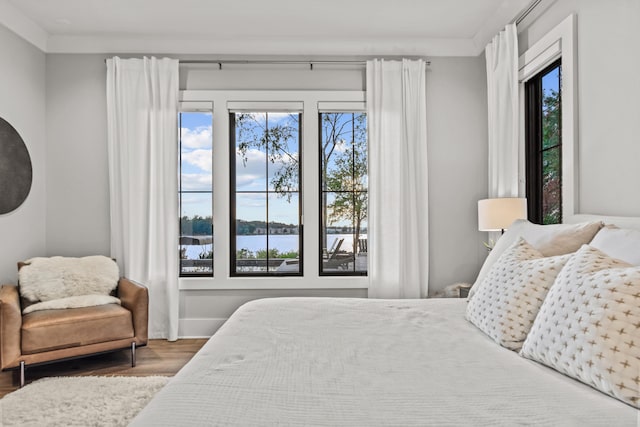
point(398, 200)
point(142, 108)
point(502, 94)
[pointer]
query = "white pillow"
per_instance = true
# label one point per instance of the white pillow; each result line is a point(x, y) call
point(46, 279)
point(508, 299)
point(589, 325)
point(550, 240)
point(620, 243)
point(72, 302)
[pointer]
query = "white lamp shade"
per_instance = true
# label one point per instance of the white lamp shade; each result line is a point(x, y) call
point(498, 214)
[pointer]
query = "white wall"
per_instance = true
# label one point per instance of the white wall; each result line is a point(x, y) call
point(77, 202)
point(22, 104)
point(458, 174)
point(77, 169)
point(608, 93)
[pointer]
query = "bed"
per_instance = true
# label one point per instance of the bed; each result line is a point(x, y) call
point(545, 298)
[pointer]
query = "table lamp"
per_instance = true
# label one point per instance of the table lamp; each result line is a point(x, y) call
point(498, 214)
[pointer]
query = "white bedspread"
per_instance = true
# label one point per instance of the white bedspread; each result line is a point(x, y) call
point(326, 361)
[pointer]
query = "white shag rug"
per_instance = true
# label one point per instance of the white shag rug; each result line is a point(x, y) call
point(79, 401)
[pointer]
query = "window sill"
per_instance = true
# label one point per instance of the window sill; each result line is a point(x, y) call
point(280, 282)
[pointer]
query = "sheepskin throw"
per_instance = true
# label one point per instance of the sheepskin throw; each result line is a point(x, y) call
point(72, 302)
point(46, 279)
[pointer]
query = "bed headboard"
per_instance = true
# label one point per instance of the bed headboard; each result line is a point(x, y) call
point(620, 221)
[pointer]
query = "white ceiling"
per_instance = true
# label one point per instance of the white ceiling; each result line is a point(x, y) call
point(261, 27)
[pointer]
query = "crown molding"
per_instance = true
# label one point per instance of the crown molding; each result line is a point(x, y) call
point(264, 46)
point(23, 26)
point(506, 13)
point(18, 22)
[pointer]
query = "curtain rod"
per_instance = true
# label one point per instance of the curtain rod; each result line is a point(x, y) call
point(527, 11)
point(220, 62)
point(275, 62)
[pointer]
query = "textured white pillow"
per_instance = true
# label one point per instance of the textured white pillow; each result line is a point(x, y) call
point(72, 302)
point(46, 279)
point(508, 299)
point(589, 325)
point(621, 243)
point(550, 240)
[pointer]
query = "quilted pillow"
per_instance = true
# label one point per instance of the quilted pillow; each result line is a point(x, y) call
point(46, 279)
point(589, 325)
point(550, 240)
point(508, 299)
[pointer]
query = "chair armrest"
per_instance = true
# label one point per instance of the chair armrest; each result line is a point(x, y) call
point(10, 324)
point(135, 298)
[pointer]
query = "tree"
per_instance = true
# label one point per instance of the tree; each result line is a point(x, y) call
point(551, 139)
point(350, 174)
point(344, 136)
point(254, 130)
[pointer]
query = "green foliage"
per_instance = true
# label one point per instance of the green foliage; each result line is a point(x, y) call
point(245, 253)
point(551, 160)
point(247, 228)
point(196, 226)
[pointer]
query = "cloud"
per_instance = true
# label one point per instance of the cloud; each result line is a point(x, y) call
point(200, 158)
point(196, 181)
point(252, 174)
point(199, 137)
point(251, 200)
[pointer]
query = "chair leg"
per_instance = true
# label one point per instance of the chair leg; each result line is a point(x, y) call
point(21, 373)
point(133, 354)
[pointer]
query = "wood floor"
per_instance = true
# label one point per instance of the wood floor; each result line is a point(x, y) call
point(159, 357)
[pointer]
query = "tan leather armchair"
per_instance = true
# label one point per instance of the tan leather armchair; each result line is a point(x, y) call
point(54, 335)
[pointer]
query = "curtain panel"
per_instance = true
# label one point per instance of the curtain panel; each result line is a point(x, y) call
point(398, 197)
point(142, 108)
point(502, 94)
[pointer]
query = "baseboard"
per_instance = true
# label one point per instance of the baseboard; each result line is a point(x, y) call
point(198, 328)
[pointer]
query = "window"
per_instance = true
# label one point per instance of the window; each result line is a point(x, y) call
point(261, 190)
point(543, 124)
point(266, 222)
point(196, 193)
point(343, 193)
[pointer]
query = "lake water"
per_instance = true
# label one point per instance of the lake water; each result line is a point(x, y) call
point(284, 243)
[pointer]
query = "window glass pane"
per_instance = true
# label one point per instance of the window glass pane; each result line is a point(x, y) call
point(283, 151)
point(361, 256)
point(196, 219)
point(284, 236)
point(543, 135)
point(196, 237)
point(251, 232)
point(344, 181)
point(267, 171)
point(551, 108)
point(337, 145)
point(551, 186)
point(251, 152)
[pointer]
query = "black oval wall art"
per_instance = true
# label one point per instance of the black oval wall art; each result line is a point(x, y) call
point(15, 169)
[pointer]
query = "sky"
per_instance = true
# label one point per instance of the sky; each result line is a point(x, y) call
point(251, 174)
point(253, 171)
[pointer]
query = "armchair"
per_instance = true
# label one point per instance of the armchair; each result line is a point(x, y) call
point(47, 336)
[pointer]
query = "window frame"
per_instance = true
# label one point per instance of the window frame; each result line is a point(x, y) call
point(334, 109)
point(193, 107)
point(533, 143)
point(232, 203)
point(559, 42)
point(312, 101)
